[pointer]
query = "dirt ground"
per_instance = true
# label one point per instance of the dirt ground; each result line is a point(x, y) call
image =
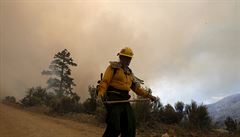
point(19, 123)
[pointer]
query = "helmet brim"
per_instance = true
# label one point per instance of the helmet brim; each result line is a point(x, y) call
point(124, 55)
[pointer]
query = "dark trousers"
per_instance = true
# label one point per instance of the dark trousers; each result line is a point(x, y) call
point(120, 120)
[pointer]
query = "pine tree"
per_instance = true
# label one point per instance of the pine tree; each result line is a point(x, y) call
point(59, 70)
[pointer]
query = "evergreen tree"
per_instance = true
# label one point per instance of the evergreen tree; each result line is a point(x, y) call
point(9, 99)
point(59, 70)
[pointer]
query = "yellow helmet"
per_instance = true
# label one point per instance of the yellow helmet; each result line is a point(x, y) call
point(126, 52)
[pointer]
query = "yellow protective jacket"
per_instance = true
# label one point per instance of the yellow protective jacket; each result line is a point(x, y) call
point(120, 80)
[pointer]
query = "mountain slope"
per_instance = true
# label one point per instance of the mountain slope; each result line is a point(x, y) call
point(228, 106)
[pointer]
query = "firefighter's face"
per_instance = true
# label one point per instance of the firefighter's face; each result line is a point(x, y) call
point(125, 61)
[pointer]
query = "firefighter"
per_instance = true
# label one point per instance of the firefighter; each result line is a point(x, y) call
point(117, 81)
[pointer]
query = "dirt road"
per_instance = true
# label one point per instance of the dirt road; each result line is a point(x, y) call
point(19, 123)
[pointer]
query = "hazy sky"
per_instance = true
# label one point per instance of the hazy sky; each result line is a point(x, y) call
point(184, 50)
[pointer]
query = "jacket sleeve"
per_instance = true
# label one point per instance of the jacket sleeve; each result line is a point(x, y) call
point(139, 90)
point(105, 81)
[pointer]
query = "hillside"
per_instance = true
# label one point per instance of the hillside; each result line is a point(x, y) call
point(228, 106)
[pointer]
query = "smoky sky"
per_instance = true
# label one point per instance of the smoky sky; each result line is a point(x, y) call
point(183, 51)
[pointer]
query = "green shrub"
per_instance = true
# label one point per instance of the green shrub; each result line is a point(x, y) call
point(179, 106)
point(239, 127)
point(35, 96)
point(142, 112)
point(169, 116)
point(231, 125)
point(9, 99)
point(90, 104)
point(147, 113)
point(198, 116)
point(100, 112)
point(32, 101)
point(65, 104)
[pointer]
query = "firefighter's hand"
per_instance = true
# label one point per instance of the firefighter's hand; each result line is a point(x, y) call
point(152, 98)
